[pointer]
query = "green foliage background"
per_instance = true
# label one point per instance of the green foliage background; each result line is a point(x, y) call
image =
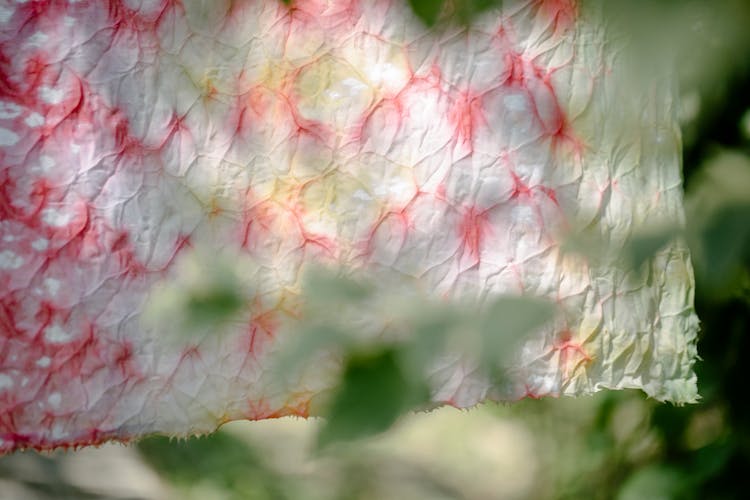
point(613, 445)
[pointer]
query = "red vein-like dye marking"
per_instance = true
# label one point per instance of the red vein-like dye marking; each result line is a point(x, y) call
point(267, 218)
point(7, 86)
point(79, 356)
point(531, 393)
point(367, 247)
point(68, 240)
point(262, 409)
point(466, 116)
point(257, 220)
point(23, 87)
point(401, 215)
point(561, 13)
point(431, 81)
point(334, 17)
point(246, 108)
point(261, 104)
point(301, 125)
point(124, 254)
point(536, 83)
point(49, 363)
point(525, 192)
point(520, 189)
point(9, 307)
point(122, 355)
point(177, 130)
point(190, 352)
point(34, 11)
point(139, 21)
point(8, 209)
point(396, 106)
point(569, 351)
point(263, 326)
point(472, 229)
point(307, 127)
point(182, 243)
point(257, 100)
point(516, 75)
point(550, 193)
point(389, 109)
point(297, 405)
point(91, 437)
point(390, 103)
point(125, 142)
point(72, 108)
point(523, 73)
point(326, 244)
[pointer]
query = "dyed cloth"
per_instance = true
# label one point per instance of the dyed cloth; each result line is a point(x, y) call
point(142, 141)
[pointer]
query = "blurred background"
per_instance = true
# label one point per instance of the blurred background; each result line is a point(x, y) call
point(614, 445)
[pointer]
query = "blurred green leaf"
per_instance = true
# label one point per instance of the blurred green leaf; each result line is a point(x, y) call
point(725, 179)
point(326, 293)
point(219, 459)
point(710, 460)
point(465, 11)
point(655, 482)
point(587, 242)
point(430, 332)
point(718, 207)
point(722, 245)
point(432, 11)
point(507, 322)
point(745, 126)
point(643, 246)
point(374, 392)
point(207, 289)
point(214, 305)
point(427, 11)
point(307, 342)
point(323, 286)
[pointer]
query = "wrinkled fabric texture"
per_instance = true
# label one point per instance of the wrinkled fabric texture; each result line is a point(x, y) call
point(135, 135)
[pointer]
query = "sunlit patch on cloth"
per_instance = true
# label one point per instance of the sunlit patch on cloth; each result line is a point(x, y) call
point(337, 132)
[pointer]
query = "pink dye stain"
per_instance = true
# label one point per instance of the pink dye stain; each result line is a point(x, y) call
point(472, 230)
point(562, 14)
point(466, 115)
point(572, 355)
point(524, 73)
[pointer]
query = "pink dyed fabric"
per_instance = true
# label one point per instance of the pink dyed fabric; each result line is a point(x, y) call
point(147, 146)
